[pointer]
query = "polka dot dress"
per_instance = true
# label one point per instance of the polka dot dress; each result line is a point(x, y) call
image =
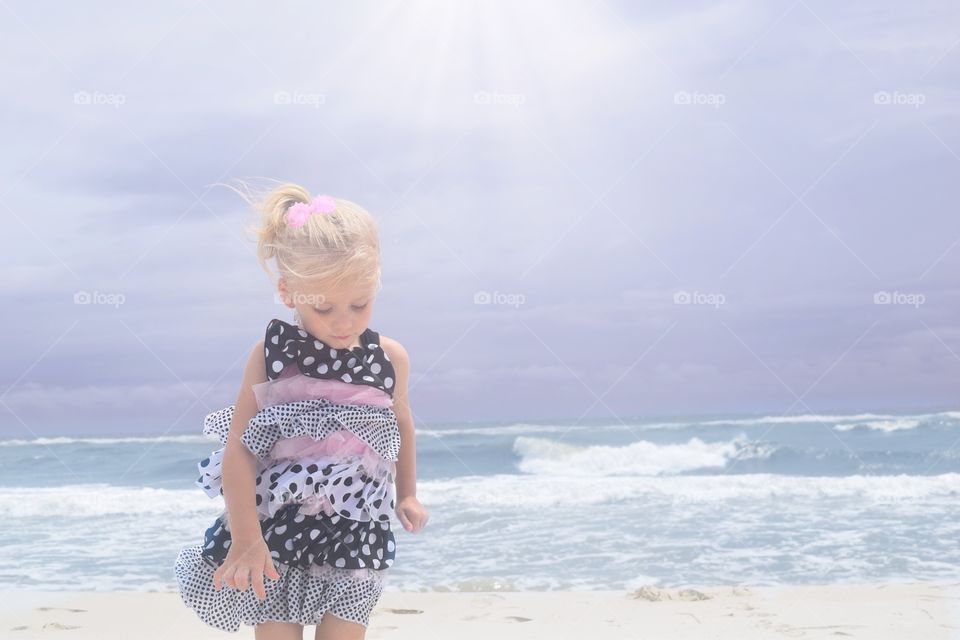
point(325, 519)
point(287, 345)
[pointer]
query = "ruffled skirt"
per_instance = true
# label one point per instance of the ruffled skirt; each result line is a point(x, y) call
point(325, 488)
point(299, 595)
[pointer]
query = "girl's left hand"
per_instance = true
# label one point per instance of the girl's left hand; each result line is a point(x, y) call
point(412, 515)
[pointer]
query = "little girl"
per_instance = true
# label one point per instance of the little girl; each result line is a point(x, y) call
point(319, 447)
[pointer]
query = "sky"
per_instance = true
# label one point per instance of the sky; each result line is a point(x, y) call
point(589, 211)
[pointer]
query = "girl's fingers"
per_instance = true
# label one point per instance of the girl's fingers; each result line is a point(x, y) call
point(240, 578)
point(269, 570)
point(258, 588)
point(233, 576)
point(421, 519)
point(227, 579)
point(216, 578)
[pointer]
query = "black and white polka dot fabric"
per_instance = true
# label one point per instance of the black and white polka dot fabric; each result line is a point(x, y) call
point(287, 345)
point(354, 489)
point(305, 540)
point(334, 558)
point(317, 418)
point(299, 595)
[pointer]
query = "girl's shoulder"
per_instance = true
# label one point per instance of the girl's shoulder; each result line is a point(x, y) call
point(400, 363)
point(396, 352)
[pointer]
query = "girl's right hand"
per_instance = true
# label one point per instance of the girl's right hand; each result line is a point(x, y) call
point(246, 560)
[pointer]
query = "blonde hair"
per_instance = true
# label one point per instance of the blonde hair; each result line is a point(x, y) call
point(342, 247)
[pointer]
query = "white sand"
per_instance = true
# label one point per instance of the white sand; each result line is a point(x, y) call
point(877, 612)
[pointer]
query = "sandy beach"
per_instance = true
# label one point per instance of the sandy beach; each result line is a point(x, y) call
point(921, 610)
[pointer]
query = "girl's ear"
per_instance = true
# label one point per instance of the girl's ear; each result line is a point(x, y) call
point(284, 294)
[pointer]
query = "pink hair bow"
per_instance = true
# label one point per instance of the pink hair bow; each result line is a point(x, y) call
point(297, 214)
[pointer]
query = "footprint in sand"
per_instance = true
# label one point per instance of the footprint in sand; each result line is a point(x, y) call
point(57, 625)
point(60, 609)
point(518, 619)
point(404, 610)
point(790, 632)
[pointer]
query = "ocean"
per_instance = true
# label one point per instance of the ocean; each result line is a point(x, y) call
point(758, 500)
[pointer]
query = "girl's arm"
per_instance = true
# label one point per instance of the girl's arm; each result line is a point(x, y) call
point(411, 513)
point(239, 463)
point(407, 461)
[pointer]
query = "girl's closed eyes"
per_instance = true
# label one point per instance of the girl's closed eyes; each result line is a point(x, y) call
point(329, 309)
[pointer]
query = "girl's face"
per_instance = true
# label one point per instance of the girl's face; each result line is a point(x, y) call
point(334, 316)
